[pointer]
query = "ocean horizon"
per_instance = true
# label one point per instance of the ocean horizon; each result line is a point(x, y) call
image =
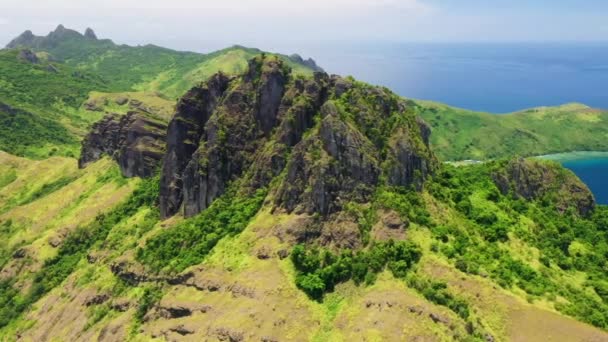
point(489, 77)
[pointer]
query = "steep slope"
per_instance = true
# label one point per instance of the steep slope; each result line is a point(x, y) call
point(306, 208)
point(460, 134)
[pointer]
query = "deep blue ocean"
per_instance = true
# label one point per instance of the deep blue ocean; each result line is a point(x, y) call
point(594, 172)
point(496, 78)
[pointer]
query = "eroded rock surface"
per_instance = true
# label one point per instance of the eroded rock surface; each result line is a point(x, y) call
point(534, 180)
point(136, 141)
point(245, 128)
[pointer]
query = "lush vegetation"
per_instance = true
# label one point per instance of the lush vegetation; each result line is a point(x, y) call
point(37, 105)
point(477, 235)
point(539, 248)
point(460, 134)
point(189, 242)
point(478, 241)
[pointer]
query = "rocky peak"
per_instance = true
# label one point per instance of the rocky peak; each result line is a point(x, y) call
point(61, 33)
point(24, 39)
point(234, 126)
point(184, 135)
point(243, 129)
point(90, 34)
point(271, 87)
point(50, 41)
point(308, 62)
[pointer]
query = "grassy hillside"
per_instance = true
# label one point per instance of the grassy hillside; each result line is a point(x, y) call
point(460, 134)
point(511, 284)
point(38, 106)
point(505, 250)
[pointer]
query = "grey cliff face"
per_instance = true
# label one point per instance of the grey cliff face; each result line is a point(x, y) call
point(183, 138)
point(135, 141)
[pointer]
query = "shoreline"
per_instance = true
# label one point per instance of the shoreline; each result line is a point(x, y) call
point(573, 156)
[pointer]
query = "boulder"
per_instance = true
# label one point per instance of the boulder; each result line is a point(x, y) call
point(27, 55)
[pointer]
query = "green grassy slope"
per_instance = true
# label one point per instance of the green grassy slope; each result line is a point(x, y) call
point(460, 134)
point(38, 106)
point(481, 264)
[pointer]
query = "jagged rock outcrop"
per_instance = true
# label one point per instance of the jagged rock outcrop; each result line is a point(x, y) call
point(245, 128)
point(136, 141)
point(28, 39)
point(534, 180)
point(338, 164)
point(306, 62)
point(22, 40)
point(238, 128)
point(230, 130)
point(53, 41)
point(408, 155)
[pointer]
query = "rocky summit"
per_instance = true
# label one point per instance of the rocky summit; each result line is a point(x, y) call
point(246, 127)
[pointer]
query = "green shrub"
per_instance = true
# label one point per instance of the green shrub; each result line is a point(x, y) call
point(189, 242)
point(319, 270)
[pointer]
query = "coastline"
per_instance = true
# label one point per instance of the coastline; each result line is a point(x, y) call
point(565, 157)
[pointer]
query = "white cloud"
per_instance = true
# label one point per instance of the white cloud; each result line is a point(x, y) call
point(249, 6)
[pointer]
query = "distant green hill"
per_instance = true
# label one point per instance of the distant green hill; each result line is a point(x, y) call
point(460, 134)
point(147, 67)
point(51, 86)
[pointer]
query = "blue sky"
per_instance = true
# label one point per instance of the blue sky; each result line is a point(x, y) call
point(205, 25)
